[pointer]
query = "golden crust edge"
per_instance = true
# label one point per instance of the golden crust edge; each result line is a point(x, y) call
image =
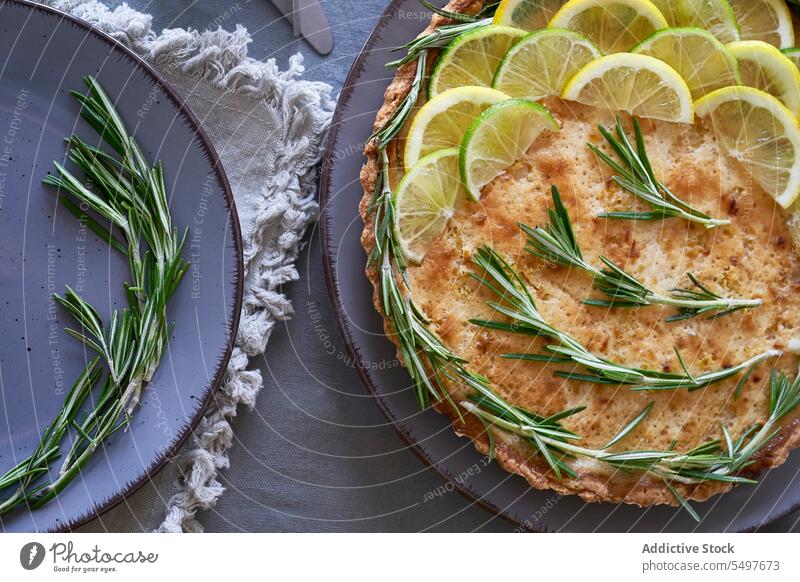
point(589, 487)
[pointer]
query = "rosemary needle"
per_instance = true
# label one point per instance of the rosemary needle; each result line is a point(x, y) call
point(635, 174)
point(556, 243)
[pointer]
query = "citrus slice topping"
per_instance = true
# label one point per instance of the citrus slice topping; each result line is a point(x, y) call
point(498, 138)
point(765, 67)
point(527, 14)
point(715, 16)
point(472, 58)
point(424, 201)
point(612, 25)
point(756, 129)
point(702, 60)
point(639, 84)
point(442, 121)
point(767, 20)
point(541, 64)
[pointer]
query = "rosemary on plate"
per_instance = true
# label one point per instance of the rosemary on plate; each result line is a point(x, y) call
point(516, 303)
point(431, 364)
point(634, 174)
point(131, 195)
point(556, 243)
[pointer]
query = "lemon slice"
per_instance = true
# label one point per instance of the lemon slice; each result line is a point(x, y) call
point(715, 16)
point(541, 64)
point(767, 20)
point(612, 25)
point(765, 67)
point(702, 60)
point(527, 14)
point(472, 58)
point(424, 201)
point(639, 84)
point(442, 121)
point(499, 137)
point(756, 129)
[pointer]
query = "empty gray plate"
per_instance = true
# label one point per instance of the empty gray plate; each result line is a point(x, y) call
point(44, 55)
point(429, 434)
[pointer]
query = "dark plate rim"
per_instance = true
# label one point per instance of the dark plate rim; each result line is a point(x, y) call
point(222, 363)
point(328, 162)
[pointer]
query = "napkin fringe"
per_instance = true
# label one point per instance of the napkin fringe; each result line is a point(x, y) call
point(220, 57)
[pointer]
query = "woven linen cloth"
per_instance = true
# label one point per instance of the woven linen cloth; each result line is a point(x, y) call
point(268, 127)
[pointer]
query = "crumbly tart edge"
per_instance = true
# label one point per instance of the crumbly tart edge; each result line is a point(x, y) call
point(594, 487)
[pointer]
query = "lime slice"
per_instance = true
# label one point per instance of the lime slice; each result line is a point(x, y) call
point(639, 84)
point(765, 67)
point(527, 14)
point(442, 121)
point(541, 64)
point(715, 16)
point(612, 25)
point(703, 61)
point(424, 201)
point(767, 20)
point(472, 58)
point(756, 129)
point(499, 137)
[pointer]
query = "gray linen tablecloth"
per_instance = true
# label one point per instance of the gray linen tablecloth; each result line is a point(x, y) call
point(316, 454)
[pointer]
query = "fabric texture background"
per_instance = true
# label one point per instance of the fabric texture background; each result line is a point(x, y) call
point(268, 127)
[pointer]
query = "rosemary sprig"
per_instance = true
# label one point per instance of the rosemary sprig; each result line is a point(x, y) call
point(634, 174)
point(418, 50)
point(395, 123)
point(714, 460)
point(516, 303)
point(131, 196)
point(556, 243)
point(440, 37)
point(408, 322)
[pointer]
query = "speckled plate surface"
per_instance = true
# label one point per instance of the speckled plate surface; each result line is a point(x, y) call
point(43, 55)
point(427, 433)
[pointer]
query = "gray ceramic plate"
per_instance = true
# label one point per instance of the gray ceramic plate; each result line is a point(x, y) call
point(43, 55)
point(429, 434)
